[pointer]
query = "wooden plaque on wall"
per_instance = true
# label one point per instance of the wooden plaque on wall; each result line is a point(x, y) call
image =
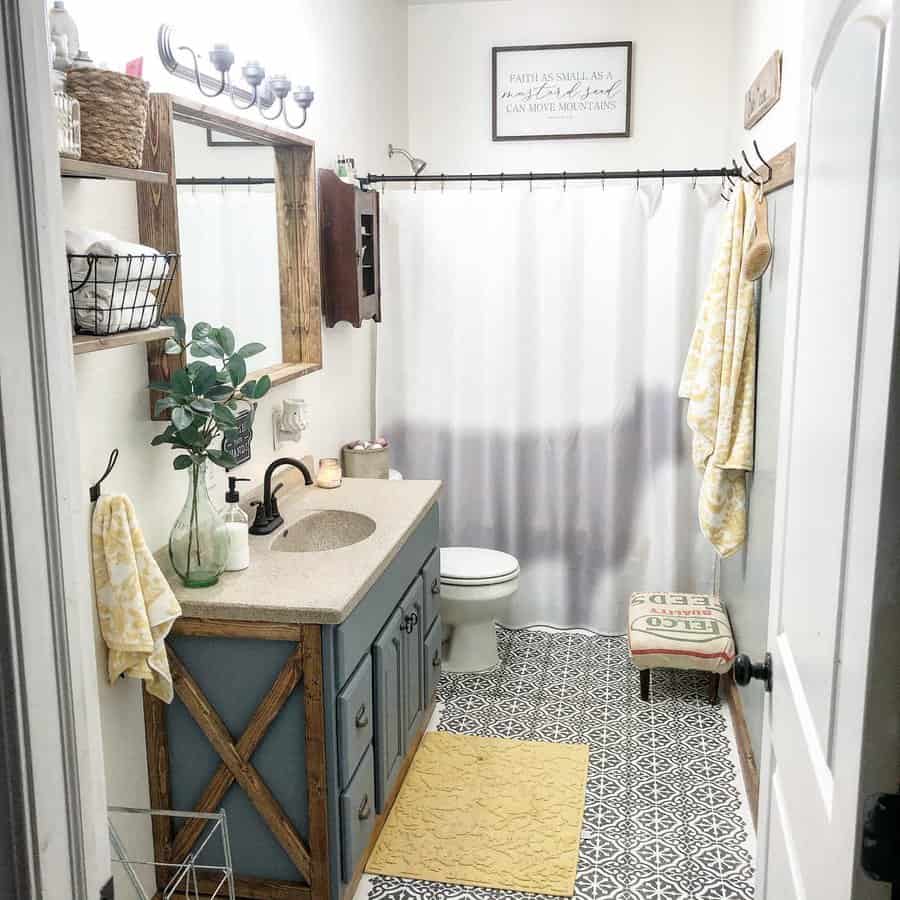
point(765, 91)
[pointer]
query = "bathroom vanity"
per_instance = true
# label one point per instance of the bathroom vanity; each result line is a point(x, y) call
point(303, 686)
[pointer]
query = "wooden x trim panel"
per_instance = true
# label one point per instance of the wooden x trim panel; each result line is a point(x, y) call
point(241, 770)
point(283, 686)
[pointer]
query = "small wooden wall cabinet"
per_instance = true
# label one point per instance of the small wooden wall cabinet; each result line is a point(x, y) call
point(350, 247)
point(303, 733)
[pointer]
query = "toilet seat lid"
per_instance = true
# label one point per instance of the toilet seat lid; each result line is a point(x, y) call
point(477, 565)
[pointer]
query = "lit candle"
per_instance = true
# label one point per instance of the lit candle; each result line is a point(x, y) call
point(329, 474)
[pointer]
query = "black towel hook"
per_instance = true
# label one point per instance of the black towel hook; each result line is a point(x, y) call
point(758, 175)
point(765, 162)
point(95, 487)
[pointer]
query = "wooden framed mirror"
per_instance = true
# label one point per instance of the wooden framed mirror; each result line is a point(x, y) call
point(298, 298)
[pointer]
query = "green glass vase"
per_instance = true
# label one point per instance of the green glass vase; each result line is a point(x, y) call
point(198, 542)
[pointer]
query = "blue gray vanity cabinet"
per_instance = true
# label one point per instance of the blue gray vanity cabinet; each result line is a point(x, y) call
point(431, 662)
point(412, 607)
point(390, 745)
point(301, 732)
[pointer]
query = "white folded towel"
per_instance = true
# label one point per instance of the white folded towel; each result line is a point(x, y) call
point(77, 242)
point(107, 311)
point(152, 269)
point(79, 239)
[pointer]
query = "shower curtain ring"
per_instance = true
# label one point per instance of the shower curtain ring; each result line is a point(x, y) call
point(663, 178)
point(694, 181)
point(382, 184)
point(564, 182)
point(442, 182)
point(502, 182)
point(222, 183)
point(470, 182)
point(530, 182)
point(637, 180)
point(603, 179)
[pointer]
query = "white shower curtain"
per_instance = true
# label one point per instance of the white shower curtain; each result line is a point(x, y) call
point(229, 263)
point(529, 356)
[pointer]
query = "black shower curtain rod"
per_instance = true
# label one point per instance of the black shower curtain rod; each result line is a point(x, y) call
point(605, 175)
point(224, 182)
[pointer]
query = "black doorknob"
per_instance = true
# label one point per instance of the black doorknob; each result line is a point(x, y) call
point(745, 670)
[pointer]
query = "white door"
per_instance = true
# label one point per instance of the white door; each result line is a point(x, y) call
point(837, 373)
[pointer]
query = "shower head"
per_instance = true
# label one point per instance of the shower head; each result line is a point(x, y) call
point(416, 164)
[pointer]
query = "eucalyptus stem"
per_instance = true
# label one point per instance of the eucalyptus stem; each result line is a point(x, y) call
point(195, 516)
point(191, 520)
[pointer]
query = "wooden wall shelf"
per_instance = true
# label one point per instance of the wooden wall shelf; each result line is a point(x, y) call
point(80, 168)
point(90, 343)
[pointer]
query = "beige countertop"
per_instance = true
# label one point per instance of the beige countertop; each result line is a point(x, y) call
point(321, 587)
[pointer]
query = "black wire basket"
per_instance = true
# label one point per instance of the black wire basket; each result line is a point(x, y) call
point(112, 294)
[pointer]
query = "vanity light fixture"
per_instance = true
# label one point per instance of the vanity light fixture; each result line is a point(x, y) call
point(266, 93)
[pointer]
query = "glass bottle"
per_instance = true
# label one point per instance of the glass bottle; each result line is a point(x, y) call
point(198, 542)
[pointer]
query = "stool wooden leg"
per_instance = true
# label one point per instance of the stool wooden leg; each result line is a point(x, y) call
point(645, 684)
point(712, 691)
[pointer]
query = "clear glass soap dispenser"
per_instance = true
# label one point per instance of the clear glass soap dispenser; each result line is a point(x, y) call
point(236, 525)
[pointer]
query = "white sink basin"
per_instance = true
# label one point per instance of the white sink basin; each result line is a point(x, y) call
point(324, 529)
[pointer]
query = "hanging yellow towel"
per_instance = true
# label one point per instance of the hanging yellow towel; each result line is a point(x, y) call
point(719, 383)
point(135, 604)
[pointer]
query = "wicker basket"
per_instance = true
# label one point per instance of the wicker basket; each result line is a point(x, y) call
point(113, 115)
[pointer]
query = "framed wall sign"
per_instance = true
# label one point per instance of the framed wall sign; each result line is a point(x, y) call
point(559, 91)
point(238, 442)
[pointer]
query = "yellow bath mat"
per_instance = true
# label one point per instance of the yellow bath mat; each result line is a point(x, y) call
point(488, 812)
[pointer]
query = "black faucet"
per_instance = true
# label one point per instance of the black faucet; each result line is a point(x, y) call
point(267, 516)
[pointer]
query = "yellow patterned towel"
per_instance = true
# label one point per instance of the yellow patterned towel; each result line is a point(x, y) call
point(719, 382)
point(135, 604)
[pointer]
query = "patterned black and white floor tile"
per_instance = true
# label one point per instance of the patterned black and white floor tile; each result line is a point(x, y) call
point(665, 816)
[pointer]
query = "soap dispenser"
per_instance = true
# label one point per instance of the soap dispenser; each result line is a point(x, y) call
point(236, 525)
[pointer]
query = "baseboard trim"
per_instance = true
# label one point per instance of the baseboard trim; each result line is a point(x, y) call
point(745, 748)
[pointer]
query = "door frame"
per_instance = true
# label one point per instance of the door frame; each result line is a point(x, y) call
point(53, 840)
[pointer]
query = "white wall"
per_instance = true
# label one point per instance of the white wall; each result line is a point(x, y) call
point(761, 27)
point(353, 53)
point(746, 575)
point(681, 75)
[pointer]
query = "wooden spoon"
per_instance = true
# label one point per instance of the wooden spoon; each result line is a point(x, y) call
point(759, 253)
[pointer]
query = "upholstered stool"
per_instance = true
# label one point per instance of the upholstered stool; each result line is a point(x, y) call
point(680, 631)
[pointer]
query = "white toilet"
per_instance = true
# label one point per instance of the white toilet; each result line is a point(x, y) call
point(476, 587)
